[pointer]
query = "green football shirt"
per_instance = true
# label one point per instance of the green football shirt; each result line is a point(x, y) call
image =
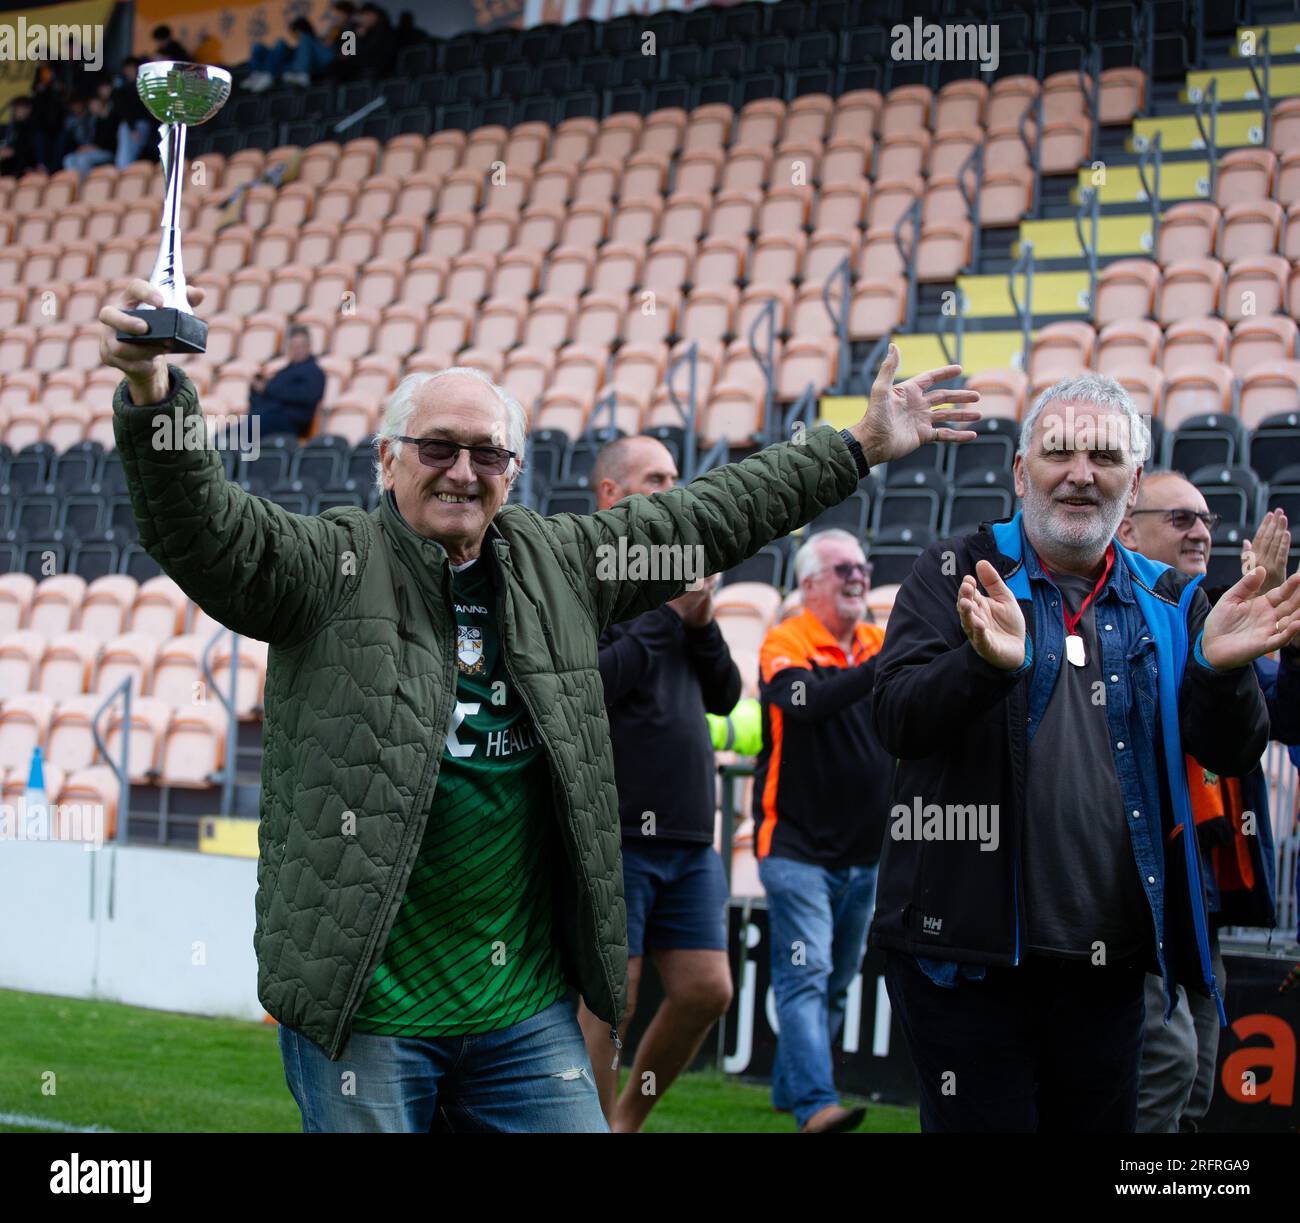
point(473, 949)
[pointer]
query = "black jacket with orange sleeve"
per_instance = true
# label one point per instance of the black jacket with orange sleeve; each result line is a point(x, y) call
point(822, 783)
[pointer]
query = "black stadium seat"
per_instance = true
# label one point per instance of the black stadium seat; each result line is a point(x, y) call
point(894, 551)
point(1213, 440)
point(1284, 493)
point(911, 498)
point(1275, 444)
point(1234, 493)
point(771, 564)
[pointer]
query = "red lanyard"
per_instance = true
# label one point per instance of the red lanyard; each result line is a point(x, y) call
point(1072, 622)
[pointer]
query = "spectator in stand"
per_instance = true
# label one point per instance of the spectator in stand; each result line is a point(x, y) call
point(286, 401)
point(821, 795)
point(661, 673)
point(376, 45)
point(343, 17)
point(90, 133)
point(134, 123)
point(294, 61)
point(21, 142)
point(165, 46)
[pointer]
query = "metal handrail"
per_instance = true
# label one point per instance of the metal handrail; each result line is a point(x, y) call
point(975, 163)
point(690, 357)
point(607, 403)
point(360, 113)
point(1025, 310)
point(871, 362)
point(1031, 147)
point(912, 215)
point(1198, 31)
point(121, 770)
point(806, 403)
point(1090, 85)
point(767, 363)
point(1145, 36)
point(1262, 87)
point(1152, 155)
point(730, 773)
point(1090, 203)
point(1210, 138)
point(843, 273)
point(953, 356)
point(227, 772)
point(715, 456)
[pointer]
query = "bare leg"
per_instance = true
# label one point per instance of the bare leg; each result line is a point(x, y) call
point(697, 991)
point(600, 1048)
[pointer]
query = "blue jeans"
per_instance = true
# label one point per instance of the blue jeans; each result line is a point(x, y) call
point(818, 921)
point(308, 57)
point(131, 138)
point(532, 1077)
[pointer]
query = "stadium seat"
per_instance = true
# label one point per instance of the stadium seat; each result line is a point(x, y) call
point(1232, 492)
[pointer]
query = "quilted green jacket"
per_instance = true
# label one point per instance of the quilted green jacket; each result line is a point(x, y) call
point(361, 684)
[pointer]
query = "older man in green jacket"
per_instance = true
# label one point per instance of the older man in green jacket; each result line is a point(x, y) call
point(440, 867)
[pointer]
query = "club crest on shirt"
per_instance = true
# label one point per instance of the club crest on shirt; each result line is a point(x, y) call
point(469, 650)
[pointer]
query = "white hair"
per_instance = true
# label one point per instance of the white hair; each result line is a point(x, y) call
point(400, 405)
point(1101, 392)
point(807, 559)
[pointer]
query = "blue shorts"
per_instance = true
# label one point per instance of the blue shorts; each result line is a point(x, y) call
point(676, 898)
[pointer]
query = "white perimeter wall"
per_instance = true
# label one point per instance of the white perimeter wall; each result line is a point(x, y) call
point(164, 928)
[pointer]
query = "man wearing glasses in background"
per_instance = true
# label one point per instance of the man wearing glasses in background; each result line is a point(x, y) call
point(821, 794)
point(1172, 523)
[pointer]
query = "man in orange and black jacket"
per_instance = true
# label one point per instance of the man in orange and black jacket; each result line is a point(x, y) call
point(821, 793)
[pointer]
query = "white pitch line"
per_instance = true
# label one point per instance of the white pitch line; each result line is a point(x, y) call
point(44, 1123)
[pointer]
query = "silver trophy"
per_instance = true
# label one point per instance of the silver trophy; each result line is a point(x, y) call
point(178, 95)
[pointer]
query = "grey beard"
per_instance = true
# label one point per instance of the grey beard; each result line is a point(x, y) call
point(1085, 545)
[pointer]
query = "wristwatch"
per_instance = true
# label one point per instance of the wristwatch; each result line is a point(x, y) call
point(855, 449)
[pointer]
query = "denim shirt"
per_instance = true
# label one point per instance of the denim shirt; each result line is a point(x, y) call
point(1128, 657)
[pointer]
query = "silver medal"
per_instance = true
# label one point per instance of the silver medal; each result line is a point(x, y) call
point(1074, 649)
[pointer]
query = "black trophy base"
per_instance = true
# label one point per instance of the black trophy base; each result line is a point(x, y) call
point(170, 330)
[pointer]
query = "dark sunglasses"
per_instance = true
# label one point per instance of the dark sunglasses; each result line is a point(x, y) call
point(441, 454)
point(1184, 520)
point(847, 570)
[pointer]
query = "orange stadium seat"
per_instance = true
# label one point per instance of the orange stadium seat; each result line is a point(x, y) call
point(1192, 288)
point(56, 605)
point(1245, 174)
point(1256, 341)
point(1196, 392)
point(1195, 341)
point(106, 606)
point(70, 740)
point(16, 593)
point(24, 725)
point(1002, 392)
point(1268, 389)
point(1255, 285)
point(195, 747)
point(87, 802)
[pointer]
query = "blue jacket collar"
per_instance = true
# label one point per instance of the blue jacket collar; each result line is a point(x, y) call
point(1009, 536)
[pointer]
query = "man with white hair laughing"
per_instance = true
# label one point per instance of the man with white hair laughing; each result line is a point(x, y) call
point(1041, 672)
point(440, 873)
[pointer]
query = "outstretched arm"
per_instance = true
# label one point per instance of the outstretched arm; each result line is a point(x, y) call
point(718, 520)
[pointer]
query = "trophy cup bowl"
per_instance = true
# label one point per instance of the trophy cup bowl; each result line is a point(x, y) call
point(178, 95)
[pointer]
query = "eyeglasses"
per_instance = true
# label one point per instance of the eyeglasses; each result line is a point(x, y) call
point(847, 570)
point(441, 454)
point(1184, 520)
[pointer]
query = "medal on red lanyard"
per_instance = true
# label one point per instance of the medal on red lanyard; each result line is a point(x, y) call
point(1074, 651)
